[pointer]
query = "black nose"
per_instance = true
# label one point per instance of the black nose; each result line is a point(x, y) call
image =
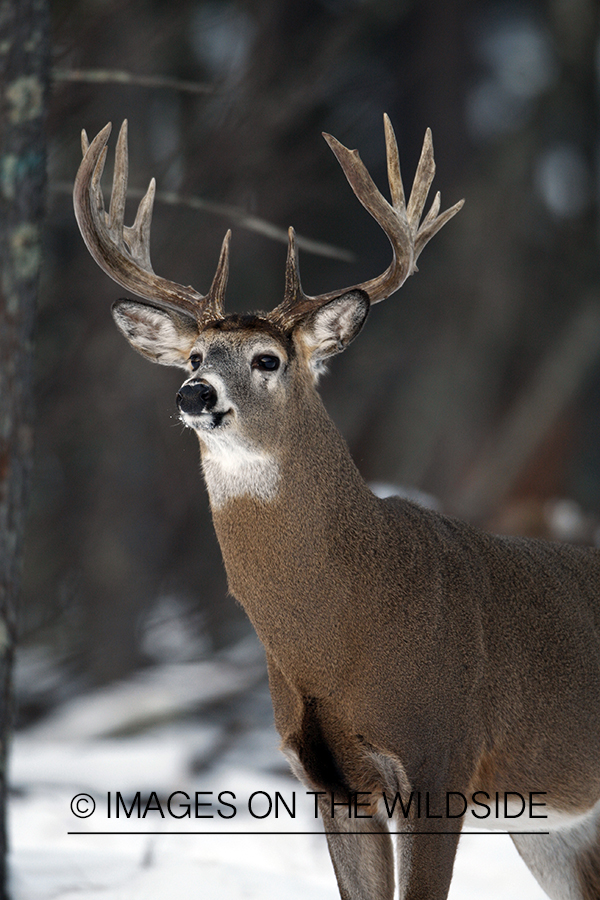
point(196, 397)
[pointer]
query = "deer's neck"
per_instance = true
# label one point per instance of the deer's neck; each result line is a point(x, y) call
point(291, 555)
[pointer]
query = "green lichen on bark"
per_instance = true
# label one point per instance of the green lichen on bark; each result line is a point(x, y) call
point(25, 99)
point(23, 90)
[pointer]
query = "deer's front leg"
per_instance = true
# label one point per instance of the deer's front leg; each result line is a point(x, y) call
point(424, 863)
point(361, 853)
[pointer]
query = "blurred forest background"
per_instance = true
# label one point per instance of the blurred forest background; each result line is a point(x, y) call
point(479, 383)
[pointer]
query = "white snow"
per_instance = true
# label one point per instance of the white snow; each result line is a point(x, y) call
point(76, 751)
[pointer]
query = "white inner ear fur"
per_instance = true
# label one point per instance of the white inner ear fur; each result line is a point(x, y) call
point(160, 336)
point(330, 329)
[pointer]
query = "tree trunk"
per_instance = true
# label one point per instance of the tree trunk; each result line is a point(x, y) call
point(24, 43)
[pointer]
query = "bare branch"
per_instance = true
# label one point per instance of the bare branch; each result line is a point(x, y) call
point(233, 214)
point(116, 76)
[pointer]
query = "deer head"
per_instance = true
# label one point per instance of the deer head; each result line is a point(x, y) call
point(243, 370)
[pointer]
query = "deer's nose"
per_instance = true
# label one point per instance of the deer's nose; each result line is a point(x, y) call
point(196, 397)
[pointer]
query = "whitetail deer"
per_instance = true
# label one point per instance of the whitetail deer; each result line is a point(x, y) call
point(407, 652)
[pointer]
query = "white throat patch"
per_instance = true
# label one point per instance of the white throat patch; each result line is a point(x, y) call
point(232, 470)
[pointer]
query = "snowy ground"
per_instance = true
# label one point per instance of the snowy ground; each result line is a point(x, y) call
point(193, 727)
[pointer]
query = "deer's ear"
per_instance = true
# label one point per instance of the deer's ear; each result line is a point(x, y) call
point(164, 337)
point(330, 329)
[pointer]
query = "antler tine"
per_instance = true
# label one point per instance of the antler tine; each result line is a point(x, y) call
point(296, 304)
point(393, 165)
point(124, 252)
point(423, 179)
point(433, 222)
point(399, 221)
point(95, 188)
point(116, 213)
point(137, 236)
point(216, 295)
point(293, 288)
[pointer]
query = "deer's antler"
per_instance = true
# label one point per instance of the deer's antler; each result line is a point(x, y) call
point(401, 223)
point(123, 252)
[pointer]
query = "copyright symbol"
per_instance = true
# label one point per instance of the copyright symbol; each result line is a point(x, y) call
point(83, 805)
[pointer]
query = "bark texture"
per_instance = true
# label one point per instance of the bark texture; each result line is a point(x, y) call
point(23, 93)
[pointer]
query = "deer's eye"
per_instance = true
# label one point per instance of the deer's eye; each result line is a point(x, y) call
point(195, 361)
point(266, 362)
